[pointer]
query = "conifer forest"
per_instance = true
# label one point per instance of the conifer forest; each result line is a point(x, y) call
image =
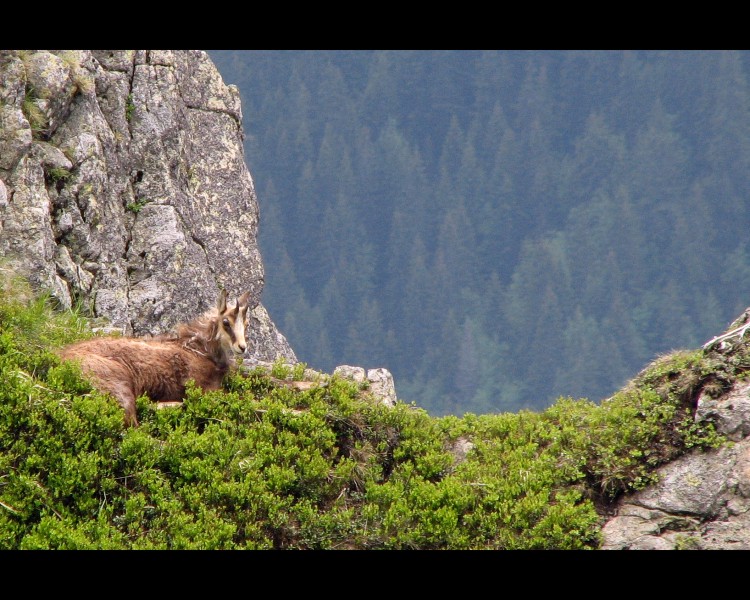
point(498, 228)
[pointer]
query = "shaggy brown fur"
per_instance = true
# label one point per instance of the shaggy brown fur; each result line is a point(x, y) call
point(202, 350)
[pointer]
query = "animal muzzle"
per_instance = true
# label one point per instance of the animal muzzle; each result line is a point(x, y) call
point(239, 343)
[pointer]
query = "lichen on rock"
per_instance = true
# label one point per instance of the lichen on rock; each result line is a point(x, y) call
point(124, 185)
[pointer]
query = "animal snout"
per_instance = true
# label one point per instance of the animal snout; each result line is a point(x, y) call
point(241, 348)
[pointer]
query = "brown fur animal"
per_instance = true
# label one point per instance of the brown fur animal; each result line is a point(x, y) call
point(203, 350)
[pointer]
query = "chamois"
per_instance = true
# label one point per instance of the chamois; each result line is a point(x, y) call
point(203, 350)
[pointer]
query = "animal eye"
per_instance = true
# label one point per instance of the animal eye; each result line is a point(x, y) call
point(226, 322)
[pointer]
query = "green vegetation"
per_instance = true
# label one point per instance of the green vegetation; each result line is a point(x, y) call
point(30, 107)
point(686, 542)
point(129, 108)
point(259, 465)
point(282, 370)
point(137, 205)
point(58, 174)
point(34, 114)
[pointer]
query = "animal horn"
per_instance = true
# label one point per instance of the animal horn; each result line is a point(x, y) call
point(222, 301)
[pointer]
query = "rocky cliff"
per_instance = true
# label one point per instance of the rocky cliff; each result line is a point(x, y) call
point(123, 187)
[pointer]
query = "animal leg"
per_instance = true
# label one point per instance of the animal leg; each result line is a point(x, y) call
point(130, 417)
point(126, 398)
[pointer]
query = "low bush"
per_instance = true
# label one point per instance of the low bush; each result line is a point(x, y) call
point(261, 465)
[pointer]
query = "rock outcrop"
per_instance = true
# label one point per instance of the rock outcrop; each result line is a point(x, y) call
point(379, 381)
point(702, 499)
point(123, 187)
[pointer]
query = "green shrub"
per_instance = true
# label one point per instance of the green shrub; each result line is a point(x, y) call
point(129, 108)
point(258, 465)
point(137, 205)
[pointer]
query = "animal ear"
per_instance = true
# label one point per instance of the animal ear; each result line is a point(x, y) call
point(221, 303)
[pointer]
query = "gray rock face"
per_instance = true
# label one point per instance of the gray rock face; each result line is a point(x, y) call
point(123, 186)
point(730, 413)
point(702, 499)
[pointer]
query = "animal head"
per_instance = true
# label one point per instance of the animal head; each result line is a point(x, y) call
point(232, 322)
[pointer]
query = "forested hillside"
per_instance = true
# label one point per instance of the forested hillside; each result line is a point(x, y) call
point(498, 228)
